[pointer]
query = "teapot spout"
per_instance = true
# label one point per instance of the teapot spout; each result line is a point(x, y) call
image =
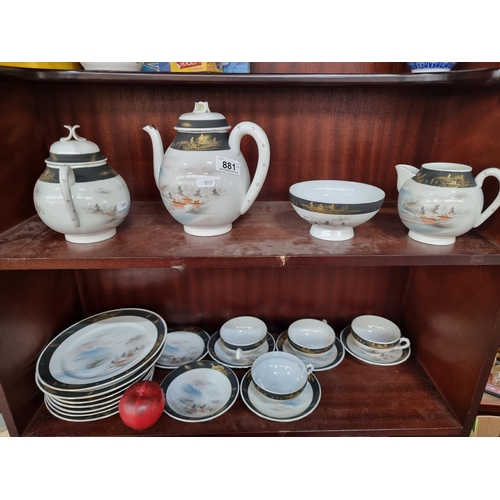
point(405, 172)
point(157, 151)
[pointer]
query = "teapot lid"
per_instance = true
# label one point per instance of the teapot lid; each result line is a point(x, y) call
point(201, 118)
point(74, 149)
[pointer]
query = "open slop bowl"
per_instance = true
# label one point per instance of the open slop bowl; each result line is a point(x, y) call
point(334, 208)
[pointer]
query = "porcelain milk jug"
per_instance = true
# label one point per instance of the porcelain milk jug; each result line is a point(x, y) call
point(442, 200)
point(79, 194)
point(203, 178)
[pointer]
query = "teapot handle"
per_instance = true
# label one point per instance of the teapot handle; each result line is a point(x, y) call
point(493, 172)
point(260, 137)
point(66, 180)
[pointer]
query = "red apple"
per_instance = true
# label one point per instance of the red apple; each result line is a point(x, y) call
point(141, 405)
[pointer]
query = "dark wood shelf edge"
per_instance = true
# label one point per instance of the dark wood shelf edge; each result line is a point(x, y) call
point(475, 77)
point(224, 263)
point(43, 424)
point(341, 411)
point(383, 241)
point(117, 429)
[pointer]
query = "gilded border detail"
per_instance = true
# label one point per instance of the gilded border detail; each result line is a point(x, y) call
point(336, 209)
point(445, 179)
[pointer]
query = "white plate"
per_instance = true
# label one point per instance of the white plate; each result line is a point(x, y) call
point(80, 412)
point(86, 408)
point(101, 350)
point(199, 391)
point(84, 413)
point(98, 402)
point(281, 411)
point(80, 418)
point(218, 352)
point(394, 358)
point(95, 394)
point(327, 361)
point(184, 344)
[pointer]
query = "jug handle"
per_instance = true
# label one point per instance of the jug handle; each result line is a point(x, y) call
point(489, 172)
point(66, 180)
point(260, 137)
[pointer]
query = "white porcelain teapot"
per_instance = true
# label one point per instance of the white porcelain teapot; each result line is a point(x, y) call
point(442, 200)
point(203, 178)
point(79, 194)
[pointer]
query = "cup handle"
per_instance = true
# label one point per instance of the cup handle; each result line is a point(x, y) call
point(66, 180)
point(403, 343)
point(239, 354)
point(309, 368)
point(494, 172)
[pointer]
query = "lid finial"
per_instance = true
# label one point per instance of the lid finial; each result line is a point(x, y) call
point(72, 134)
point(201, 107)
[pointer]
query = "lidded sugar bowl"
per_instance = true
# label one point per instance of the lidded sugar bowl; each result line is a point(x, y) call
point(79, 194)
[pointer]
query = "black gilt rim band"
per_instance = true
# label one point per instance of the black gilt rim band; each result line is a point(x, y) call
point(247, 347)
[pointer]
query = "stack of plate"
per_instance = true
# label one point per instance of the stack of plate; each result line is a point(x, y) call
point(86, 369)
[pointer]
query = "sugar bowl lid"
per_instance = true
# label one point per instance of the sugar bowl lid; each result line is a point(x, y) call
point(201, 119)
point(74, 149)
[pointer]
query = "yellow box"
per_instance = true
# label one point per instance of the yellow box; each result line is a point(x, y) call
point(196, 67)
point(44, 65)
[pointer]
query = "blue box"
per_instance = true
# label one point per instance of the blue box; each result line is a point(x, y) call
point(236, 67)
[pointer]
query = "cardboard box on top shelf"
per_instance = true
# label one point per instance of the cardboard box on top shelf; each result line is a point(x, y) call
point(196, 67)
point(182, 67)
point(236, 67)
point(486, 426)
point(44, 65)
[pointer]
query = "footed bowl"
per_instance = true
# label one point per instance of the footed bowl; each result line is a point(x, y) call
point(334, 208)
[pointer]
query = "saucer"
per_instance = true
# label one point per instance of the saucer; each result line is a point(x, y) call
point(219, 353)
point(184, 344)
point(330, 359)
point(199, 391)
point(392, 358)
point(281, 411)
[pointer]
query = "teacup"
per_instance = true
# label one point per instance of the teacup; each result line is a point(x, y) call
point(279, 375)
point(243, 335)
point(311, 337)
point(377, 336)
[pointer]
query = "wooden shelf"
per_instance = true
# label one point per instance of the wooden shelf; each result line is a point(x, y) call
point(353, 126)
point(476, 77)
point(357, 399)
point(490, 404)
point(271, 234)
